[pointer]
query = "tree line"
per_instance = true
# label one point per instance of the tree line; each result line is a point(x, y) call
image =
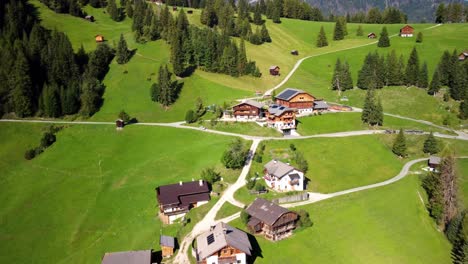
point(389, 15)
point(451, 13)
point(40, 73)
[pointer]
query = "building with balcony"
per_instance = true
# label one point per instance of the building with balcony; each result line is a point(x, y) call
point(283, 177)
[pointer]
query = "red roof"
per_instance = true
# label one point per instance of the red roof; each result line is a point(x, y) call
point(407, 29)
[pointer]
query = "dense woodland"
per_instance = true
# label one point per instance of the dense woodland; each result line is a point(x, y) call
point(40, 74)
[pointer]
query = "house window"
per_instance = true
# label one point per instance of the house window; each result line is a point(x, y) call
point(239, 261)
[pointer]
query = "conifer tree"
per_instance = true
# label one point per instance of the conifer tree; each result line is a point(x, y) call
point(177, 54)
point(446, 67)
point(122, 53)
point(434, 87)
point(368, 107)
point(90, 96)
point(338, 32)
point(347, 80)
point(242, 60)
point(384, 41)
point(412, 69)
point(275, 14)
point(129, 9)
point(166, 88)
point(431, 145)
point(423, 81)
point(419, 37)
point(359, 31)
point(459, 82)
point(399, 145)
point(51, 101)
point(463, 110)
point(336, 79)
point(265, 35)
point(321, 38)
point(257, 18)
point(113, 11)
point(393, 71)
point(21, 86)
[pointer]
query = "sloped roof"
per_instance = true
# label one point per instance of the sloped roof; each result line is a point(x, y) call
point(251, 102)
point(278, 110)
point(278, 168)
point(320, 104)
point(288, 93)
point(167, 241)
point(266, 211)
point(222, 235)
point(128, 257)
point(434, 160)
point(170, 194)
point(274, 67)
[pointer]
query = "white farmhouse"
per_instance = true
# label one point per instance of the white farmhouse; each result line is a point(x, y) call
point(283, 177)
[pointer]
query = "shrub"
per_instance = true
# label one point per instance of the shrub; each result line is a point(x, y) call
point(29, 154)
point(244, 216)
point(190, 117)
point(234, 157)
point(304, 219)
point(210, 175)
point(47, 139)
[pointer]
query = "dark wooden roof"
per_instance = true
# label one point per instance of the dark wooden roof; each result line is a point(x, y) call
point(266, 211)
point(183, 193)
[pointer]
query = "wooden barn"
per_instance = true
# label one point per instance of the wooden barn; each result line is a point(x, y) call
point(89, 18)
point(294, 52)
point(274, 70)
point(119, 124)
point(248, 109)
point(433, 163)
point(99, 38)
point(463, 56)
point(271, 220)
point(371, 35)
point(167, 244)
point(406, 31)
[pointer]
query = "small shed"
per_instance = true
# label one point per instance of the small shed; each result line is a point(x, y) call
point(99, 38)
point(371, 35)
point(320, 105)
point(89, 18)
point(406, 31)
point(294, 52)
point(433, 162)
point(274, 70)
point(190, 12)
point(174, 8)
point(463, 56)
point(167, 244)
point(119, 124)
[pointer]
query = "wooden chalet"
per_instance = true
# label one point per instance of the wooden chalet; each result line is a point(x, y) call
point(175, 200)
point(128, 257)
point(463, 56)
point(433, 163)
point(89, 18)
point(248, 109)
point(281, 117)
point(223, 244)
point(294, 98)
point(167, 244)
point(406, 31)
point(99, 38)
point(271, 220)
point(294, 52)
point(119, 124)
point(274, 70)
point(371, 35)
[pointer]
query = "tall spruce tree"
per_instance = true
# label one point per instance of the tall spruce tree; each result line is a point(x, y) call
point(399, 145)
point(321, 38)
point(369, 106)
point(129, 9)
point(242, 59)
point(347, 80)
point(166, 87)
point(336, 79)
point(113, 10)
point(264, 34)
point(423, 79)
point(458, 84)
point(384, 40)
point(434, 87)
point(463, 110)
point(431, 145)
point(21, 86)
point(419, 37)
point(412, 68)
point(338, 31)
point(393, 70)
point(122, 53)
point(257, 18)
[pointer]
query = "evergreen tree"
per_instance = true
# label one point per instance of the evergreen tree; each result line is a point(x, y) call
point(431, 145)
point(459, 82)
point(51, 101)
point(275, 14)
point(242, 59)
point(321, 38)
point(123, 54)
point(177, 54)
point(369, 107)
point(359, 31)
point(399, 145)
point(167, 92)
point(155, 92)
point(264, 34)
point(346, 79)
point(90, 96)
point(441, 14)
point(21, 86)
point(384, 41)
point(129, 9)
point(257, 18)
point(338, 32)
point(446, 68)
point(434, 87)
point(463, 110)
point(113, 11)
point(336, 79)
point(423, 81)
point(419, 37)
point(412, 69)
point(460, 247)
point(393, 71)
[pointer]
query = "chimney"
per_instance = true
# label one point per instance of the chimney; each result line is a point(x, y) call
point(200, 182)
point(180, 183)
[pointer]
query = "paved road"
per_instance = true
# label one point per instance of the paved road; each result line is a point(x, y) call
point(209, 219)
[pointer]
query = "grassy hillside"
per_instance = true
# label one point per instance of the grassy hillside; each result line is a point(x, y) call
point(384, 225)
point(463, 180)
point(93, 190)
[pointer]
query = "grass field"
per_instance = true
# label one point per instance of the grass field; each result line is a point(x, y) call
point(226, 210)
point(463, 181)
point(93, 190)
point(337, 122)
point(245, 128)
point(384, 225)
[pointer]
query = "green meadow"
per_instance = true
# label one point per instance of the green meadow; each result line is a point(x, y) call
point(93, 191)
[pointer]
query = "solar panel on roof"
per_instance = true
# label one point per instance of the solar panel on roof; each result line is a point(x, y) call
point(281, 108)
point(286, 94)
point(274, 106)
point(210, 239)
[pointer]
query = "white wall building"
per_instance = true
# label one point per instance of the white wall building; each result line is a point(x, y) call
point(283, 177)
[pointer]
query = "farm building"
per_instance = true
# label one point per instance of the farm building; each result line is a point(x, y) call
point(274, 70)
point(406, 31)
point(167, 244)
point(89, 18)
point(281, 117)
point(433, 163)
point(294, 98)
point(283, 177)
point(320, 105)
point(99, 38)
point(294, 52)
point(271, 220)
point(223, 244)
point(176, 200)
point(463, 56)
point(119, 124)
point(248, 109)
point(371, 35)
point(128, 257)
